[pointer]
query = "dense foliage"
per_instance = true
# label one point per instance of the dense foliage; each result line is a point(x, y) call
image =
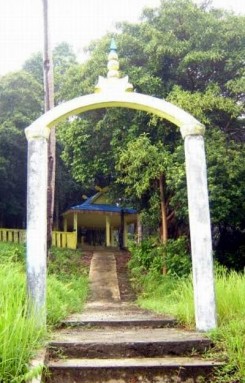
point(191, 55)
point(151, 257)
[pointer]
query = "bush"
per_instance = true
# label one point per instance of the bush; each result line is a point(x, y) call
point(151, 257)
point(12, 252)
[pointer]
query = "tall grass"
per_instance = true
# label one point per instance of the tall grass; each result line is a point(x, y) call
point(175, 296)
point(64, 298)
point(19, 335)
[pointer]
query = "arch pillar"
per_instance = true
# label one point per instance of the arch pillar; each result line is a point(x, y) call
point(200, 232)
point(36, 241)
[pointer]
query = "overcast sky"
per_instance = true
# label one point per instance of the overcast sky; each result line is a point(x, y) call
point(74, 21)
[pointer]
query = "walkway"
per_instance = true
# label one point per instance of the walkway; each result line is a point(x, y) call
point(115, 341)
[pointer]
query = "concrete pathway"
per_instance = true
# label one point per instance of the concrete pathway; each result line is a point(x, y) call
point(104, 303)
point(103, 278)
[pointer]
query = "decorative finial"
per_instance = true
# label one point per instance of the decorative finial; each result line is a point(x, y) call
point(113, 81)
point(113, 63)
point(113, 46)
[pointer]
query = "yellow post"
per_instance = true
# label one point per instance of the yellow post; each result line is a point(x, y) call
point(58, 243)
point(10, 236)
point(108, 231)
point(64, 239)
point(53, 238)
point(75, 222)
point(75, 225)
point(16, 236)
point(71, 240)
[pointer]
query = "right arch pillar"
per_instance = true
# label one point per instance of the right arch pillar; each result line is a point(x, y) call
point(200, 232)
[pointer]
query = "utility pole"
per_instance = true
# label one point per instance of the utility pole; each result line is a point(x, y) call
point(49, 104)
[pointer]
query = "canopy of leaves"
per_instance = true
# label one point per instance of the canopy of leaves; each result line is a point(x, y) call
point(191, 55)
point(20, 104)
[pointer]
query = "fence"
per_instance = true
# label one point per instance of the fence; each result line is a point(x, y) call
point(12, 235)
point(64, 239)
point(59, 238)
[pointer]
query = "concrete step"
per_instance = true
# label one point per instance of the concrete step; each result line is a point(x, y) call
point(118, 315)
point(110, 320)
point(138, 342)
point(131, 370)
point(122, 323)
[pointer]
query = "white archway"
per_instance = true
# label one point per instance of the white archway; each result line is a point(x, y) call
point(114, 93)
point(188, 124)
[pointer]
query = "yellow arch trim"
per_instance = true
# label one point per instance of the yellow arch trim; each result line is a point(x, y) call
point(187, 123)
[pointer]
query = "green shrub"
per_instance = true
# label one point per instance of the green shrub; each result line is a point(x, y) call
point(150, 256)
point(12, 252)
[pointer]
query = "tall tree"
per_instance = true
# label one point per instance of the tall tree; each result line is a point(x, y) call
point(20, 104)
point(49, 104)
point(196, 61)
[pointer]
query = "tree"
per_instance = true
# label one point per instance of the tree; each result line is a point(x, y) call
point(20, 104)
point(196, 61)
point(142, 169)
point(34, 66)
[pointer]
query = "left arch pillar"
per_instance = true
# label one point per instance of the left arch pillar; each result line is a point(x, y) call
point(36, 247)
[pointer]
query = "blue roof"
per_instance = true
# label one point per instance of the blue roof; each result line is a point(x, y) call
point(104, 207)
point(88, 205)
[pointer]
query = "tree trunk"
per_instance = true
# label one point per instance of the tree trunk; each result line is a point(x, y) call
point(164, 233)
point(49, 104)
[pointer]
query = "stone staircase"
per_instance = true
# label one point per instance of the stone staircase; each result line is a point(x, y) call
point(115, 341)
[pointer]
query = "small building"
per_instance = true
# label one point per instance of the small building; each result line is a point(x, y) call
point(97, 222)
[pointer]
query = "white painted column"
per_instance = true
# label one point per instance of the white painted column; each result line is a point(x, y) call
point(36, 248)
point(200, 230)
point(108, 231)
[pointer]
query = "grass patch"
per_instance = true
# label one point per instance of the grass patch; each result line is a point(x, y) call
point(165, 294)
point(19, 335)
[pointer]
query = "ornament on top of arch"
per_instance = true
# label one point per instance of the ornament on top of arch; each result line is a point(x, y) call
point(113, 82)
